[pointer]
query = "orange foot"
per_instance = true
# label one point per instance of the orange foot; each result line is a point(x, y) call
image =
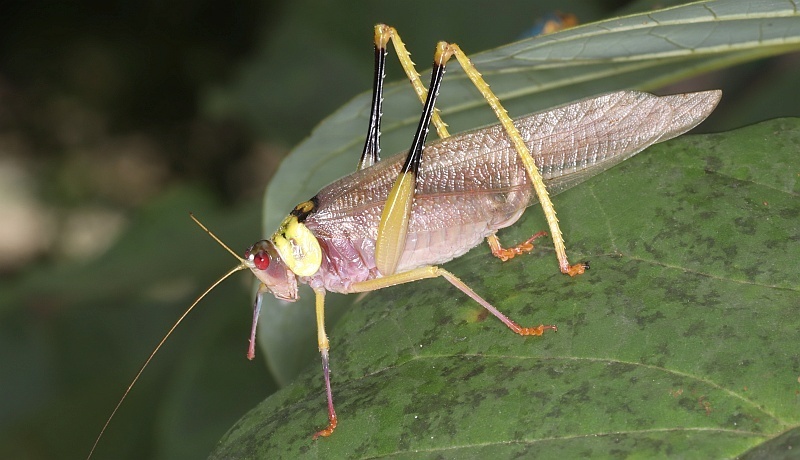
point(505, 254)
point(328, 430)
point(577, 269)
point(538, 330)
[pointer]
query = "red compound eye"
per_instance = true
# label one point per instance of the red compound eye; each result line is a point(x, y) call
point(261, 260)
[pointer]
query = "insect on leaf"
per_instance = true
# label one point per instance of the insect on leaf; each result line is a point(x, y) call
point(674, 344)
point(641, 51)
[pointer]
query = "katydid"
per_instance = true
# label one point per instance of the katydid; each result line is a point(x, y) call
point(396, 220)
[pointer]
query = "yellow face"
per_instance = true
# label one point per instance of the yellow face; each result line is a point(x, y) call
point(297, 246)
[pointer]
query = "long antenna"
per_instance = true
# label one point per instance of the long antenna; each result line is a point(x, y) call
point(238, 257)
point(230, 272)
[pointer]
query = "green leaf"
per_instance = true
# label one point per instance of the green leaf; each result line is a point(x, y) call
point(681, 340)
point(642, 51)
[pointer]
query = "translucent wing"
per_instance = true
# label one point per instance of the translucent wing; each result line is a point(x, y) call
point(575, 142)
point(472, 184)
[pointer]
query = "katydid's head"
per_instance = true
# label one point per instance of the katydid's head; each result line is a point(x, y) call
point(264, 260)
point(267, 265)
point(291, 252)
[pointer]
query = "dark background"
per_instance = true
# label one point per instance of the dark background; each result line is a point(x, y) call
point(116, 120)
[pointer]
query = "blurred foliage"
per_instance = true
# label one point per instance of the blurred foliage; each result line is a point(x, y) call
point(117, 107)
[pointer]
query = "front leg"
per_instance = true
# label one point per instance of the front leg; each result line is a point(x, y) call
point(324, 346)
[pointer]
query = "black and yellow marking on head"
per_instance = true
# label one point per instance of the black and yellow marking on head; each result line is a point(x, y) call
point(296, 244)
point(304, 209)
